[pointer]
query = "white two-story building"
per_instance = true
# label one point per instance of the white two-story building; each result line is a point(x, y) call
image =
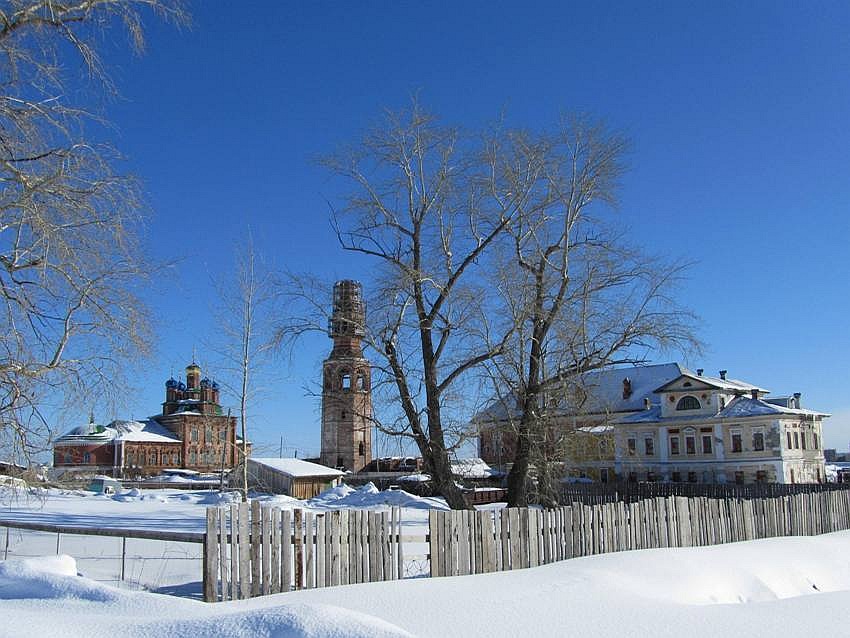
point(714, 430)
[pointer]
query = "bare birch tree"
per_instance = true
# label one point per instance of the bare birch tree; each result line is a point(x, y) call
point(577, 297)
point(69, 254)
point(245, 323)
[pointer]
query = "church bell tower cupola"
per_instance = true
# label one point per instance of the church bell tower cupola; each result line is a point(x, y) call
point(346, 383)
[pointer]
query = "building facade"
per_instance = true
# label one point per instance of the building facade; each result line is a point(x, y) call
point(720, 430)
point(191, 433)
point(666, 423)
point(346, 384)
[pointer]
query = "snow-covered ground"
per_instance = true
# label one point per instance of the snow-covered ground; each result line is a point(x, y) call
point(171, 567)
point(786, 586)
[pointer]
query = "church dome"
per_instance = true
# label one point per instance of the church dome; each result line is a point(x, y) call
point(171, 383)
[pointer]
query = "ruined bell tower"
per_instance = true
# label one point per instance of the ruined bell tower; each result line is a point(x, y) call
point(346, 384)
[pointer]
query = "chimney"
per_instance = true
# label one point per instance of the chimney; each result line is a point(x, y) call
point(754, 393)
point(723, 374)
point(797, 403)
point(699, 372)
point(647, 404)
point(627, 388)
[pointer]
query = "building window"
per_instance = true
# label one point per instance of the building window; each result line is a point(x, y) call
point(815, 442)
point(152, 458)
point(649, 446)
point(676, 477)
point(739, 478)
point(346, 381)
point(342, 414)
point(692, 477)
point(690, 444)
point(788, 438)
point(195, 435)
point(737, 443)
point(796, 440)
point(222, 434)
point(361, 382)
point(688, 403)
point(208, 434)
point(651, 477)
point(632, 477)
point(86, 457)
point(803, 439)
point(706, 444)
point(361, 449)
point(674, 445)
point(131, 458)
point(758, 441)
point(761, 476)
point(603, 475)
point(632, 445)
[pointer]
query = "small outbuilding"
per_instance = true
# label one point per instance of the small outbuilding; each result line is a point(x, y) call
point(293, 477)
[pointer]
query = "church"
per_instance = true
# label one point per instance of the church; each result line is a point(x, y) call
point(191, 433)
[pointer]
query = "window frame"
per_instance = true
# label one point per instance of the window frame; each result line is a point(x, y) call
point(688, 402)
point(736, 436)
point(758, 447)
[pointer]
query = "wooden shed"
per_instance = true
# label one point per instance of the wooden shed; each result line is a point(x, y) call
point(293, 477)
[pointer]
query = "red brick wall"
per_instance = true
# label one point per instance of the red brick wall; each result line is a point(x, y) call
point(99, 454)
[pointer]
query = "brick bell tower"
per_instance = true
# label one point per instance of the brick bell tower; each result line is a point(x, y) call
point(346, 384)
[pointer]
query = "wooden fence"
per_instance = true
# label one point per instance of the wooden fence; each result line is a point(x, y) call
point(590, 493)
point(253, 551)
point(474, 542)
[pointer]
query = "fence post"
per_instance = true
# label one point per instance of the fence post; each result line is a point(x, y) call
point(210, 557)
point(6, 554)
point(123, 554)
point(58, 535)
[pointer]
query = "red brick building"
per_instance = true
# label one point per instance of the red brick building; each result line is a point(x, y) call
point(190, 433)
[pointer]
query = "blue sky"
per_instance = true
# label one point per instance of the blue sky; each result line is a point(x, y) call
point(738, 114)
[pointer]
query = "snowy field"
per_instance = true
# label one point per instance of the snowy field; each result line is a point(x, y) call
point(787, 586)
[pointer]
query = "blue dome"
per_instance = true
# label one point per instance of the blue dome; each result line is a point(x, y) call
point(171, 383)
point(181, 385)
point(205, 382)
point(215, 385)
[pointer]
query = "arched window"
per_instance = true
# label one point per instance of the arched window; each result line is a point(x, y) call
point(361, 382)
point(86, 457)
point(688, 403)
point(68, 459)
point(362, 449)
point(345, 381)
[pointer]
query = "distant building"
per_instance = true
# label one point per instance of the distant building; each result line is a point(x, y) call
point(666, 423)
point(190, 433)
point(346, 384)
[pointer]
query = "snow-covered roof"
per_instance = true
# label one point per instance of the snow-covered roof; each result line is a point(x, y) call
point(747, 406)
point(119, 430)
point(738, 408)
point(296, 468)
point(604, 390)
point(717, 382)
point(473, 468)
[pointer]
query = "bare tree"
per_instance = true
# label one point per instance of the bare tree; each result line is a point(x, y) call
point(245, 322)
point(576, 296)
point(428, 205)
point(69, 255)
